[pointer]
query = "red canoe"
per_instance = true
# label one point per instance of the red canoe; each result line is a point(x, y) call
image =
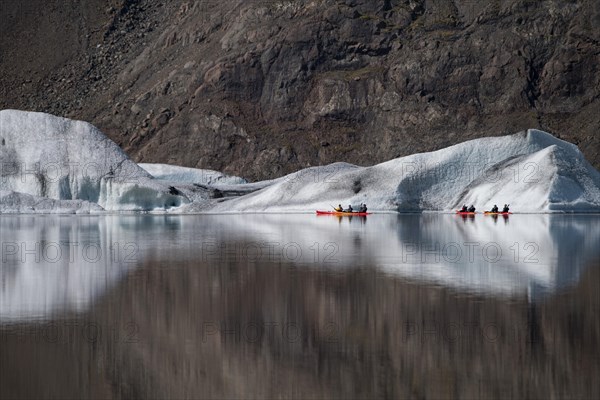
point(360, 214)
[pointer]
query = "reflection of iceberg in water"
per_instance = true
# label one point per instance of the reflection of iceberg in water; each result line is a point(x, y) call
point(482, 255)
point(64, 263)
point(57, 264)
point(501, 255)
point(50, 262)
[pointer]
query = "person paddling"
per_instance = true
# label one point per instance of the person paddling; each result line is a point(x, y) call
point(464, 208)
point(505, 209)
point(363, 208)
point(495, 209)
point(349, 209)
point(472, 209)
point(339, 208)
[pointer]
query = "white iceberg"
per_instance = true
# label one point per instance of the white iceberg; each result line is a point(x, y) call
point(46, 156)
point(55, 158)
point(533, 171)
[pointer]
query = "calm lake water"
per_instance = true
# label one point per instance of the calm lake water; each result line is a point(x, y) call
point(267, 305)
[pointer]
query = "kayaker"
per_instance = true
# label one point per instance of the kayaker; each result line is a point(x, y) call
point(471, 209)
point(339, 208)
point(464, 208)
point(495, 209)
point(349, 209)
point(505, 209)
point(363, 208)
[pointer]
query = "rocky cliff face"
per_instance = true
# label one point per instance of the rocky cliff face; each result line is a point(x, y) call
point(262, 88)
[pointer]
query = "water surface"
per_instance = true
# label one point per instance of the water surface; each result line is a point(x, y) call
point(53, 264)
point(299, 306)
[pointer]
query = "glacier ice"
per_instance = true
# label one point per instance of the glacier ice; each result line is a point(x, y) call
point(56, 158)
point(533, 171)
point(73, 164)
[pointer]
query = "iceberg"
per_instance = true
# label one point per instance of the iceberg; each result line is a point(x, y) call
point(60, 159)
point(76, 166)
point(532, 171)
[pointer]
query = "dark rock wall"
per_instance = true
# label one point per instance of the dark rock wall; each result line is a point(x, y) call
point(263, 88)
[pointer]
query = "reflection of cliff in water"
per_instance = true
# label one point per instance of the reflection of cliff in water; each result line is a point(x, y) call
point(577, 243)
point(243, 330)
